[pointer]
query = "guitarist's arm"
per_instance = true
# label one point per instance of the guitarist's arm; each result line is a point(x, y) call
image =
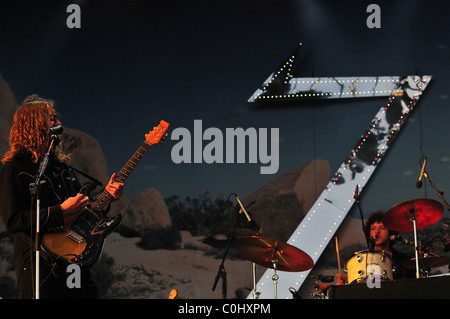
point(77, 204)
point(74, 205)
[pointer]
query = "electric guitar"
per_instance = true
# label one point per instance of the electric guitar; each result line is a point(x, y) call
point(82, 238)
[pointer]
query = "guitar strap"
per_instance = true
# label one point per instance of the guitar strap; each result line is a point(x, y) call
point(93, 179)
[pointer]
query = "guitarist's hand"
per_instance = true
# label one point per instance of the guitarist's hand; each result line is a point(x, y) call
point(114, 188)
point(74, 205)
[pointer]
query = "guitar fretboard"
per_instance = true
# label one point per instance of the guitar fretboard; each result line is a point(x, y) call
point(104, 199)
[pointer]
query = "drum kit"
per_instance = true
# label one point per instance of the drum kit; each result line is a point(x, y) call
point(409, 216)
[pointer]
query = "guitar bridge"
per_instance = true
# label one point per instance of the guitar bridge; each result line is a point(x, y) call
point(74, 236)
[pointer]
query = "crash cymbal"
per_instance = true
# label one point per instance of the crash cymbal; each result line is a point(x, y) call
point(425, 211)
point(426, 262)
point(264, 250)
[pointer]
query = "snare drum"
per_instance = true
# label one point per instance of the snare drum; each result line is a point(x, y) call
point(364, 264)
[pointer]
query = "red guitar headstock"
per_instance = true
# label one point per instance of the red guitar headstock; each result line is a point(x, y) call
point(158, 133)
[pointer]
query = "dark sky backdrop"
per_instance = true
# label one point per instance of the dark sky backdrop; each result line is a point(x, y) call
point(133, 63)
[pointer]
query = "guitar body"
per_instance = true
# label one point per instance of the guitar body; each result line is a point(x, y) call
point(82, 238)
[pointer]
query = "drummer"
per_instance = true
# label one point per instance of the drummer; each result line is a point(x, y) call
point(381, 239)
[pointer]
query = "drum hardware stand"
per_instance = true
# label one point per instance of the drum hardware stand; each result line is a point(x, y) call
point(426, 252)
point(295, 295)
point(320, 293)
point(416, 252)
point(255, 293)
point(275, 277)
point(317, 294)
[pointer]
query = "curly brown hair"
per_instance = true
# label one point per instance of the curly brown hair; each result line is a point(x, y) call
point(373, 218)
point(28, 131)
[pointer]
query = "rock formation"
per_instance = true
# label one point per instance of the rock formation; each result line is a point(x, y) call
point(8, 106)
point(147, 210)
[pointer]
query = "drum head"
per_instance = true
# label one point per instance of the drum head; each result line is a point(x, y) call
point(364, 263)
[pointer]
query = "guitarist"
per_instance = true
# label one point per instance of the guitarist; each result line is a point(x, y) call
point(58, 194)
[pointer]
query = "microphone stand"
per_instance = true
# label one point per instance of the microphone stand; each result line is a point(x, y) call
point(253, 224)
point(222, 273)
point(35, 195)
point(358, 201)
point(439, 193)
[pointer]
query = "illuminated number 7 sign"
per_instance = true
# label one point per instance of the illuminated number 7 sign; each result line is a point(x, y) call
point(324, 218)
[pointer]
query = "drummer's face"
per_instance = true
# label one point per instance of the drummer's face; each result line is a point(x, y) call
point(379, 231)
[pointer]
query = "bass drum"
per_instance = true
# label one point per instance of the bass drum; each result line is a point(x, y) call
point(364, 263)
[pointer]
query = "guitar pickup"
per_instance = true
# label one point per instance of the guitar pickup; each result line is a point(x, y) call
point(76, 237)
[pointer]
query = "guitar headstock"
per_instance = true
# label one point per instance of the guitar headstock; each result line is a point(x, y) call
point(158, 133)
point(173, 294)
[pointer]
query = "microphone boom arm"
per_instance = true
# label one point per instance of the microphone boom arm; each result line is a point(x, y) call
point(439, 193)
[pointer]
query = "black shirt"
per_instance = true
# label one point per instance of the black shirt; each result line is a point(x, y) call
point(18, 208)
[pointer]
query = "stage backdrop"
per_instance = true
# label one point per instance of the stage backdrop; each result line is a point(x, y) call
point(115, 69)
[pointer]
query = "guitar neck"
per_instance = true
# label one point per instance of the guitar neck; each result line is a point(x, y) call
point(105, 198)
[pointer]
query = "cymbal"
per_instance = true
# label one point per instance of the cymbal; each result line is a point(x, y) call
point(425, 211)
point(265, 250)
point(426, 262)
point(244, 232)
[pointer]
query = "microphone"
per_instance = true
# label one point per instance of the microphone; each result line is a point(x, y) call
point(400, 239)
point(422, 173)
point(372, 241)
point(251, 222)
point(242, 208)
point(58, 129)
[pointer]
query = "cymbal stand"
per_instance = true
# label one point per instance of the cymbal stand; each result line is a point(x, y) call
point(275, 277)
point(254, 292)
point(416, 252)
